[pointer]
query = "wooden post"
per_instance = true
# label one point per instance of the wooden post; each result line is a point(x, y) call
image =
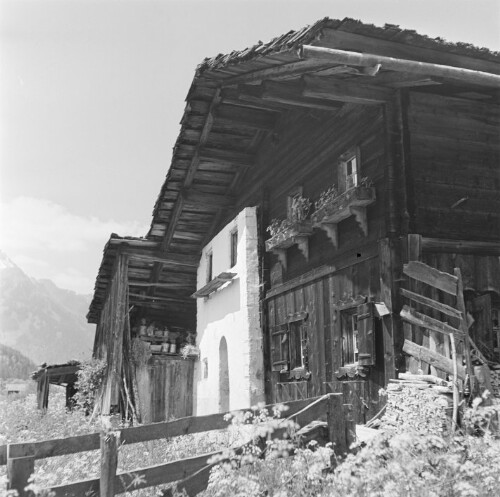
point(336, 424)
point(109, 457)
point(19, 469)
point(350, 425)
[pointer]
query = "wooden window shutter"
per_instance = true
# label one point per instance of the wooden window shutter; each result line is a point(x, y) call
point(366, 335)
point(279, 347)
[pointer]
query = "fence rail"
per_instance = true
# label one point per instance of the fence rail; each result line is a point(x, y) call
point(192, 472)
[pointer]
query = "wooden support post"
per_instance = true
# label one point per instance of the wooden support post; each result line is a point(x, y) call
point(19, 469)
point(350, 425)
point(336, 424)
point(109, 457)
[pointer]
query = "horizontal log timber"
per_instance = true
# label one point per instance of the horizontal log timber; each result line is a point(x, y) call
point(332, 55)
point(445, 309)
point(251, 118)
point(291, 94)
point(156, 257)
point(418, 319)
point(345, 40)
point(208, 199)
point(441, 245)
point(432, 358)
point(249, 99)
point(344, 91)
point(431, 276)
point(230, 157)
point(133, 296)
point(278, 71)
point(185, 285)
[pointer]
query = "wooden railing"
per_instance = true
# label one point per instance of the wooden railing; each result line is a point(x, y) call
point(191, 473)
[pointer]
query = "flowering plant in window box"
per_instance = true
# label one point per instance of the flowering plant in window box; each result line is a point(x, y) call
point(291, 231)
point(333, 207)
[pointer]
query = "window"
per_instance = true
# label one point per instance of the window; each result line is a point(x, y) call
point(234, 247)
point(349, 322)
point(349, 174)
point(289, 346)
point(210, 260)
point(357, 331)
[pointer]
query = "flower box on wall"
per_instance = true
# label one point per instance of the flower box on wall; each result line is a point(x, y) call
point(295, 233)
point(352, 202)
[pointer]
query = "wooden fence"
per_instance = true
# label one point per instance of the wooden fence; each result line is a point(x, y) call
point(191, 473)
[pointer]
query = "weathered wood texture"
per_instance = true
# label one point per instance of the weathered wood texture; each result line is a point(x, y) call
point(433, 358)
point(164, 388)
point(455, 151)
point(317, 297)
point(113, 324)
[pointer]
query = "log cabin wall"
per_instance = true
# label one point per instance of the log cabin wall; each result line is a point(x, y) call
point(455, 152)
point(304, 152)
point(112, 334)
point(318, 298)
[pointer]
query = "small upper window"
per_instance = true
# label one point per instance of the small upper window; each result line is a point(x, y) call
point(234, 247)
point(210, 260)
point(349, 174)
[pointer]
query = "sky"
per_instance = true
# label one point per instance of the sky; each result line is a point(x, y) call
point(92, 93)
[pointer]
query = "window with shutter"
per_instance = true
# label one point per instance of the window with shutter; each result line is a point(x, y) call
point(279, 348)
point(366, 334)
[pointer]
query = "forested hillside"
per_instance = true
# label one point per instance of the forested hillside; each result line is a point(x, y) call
point(13, 364)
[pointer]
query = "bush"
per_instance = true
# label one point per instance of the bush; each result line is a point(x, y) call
point(90, 379)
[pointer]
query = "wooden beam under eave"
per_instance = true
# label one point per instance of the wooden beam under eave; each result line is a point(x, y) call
point(290, 94)
point(249, 118)
point(345, 40)
point(457, 73)
point(207, 126)
point(278, 71)
point(230, 157)
point(344, 91)
point(209, 199)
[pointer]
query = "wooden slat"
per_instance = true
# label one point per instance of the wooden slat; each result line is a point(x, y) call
point(433, 358)
point(432, 324)
point(341, 91)
point(437, 245)
point(445, 309)
point(431, 276)
point(278, 71)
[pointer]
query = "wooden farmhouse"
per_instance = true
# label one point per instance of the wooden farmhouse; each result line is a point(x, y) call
point(307, 172)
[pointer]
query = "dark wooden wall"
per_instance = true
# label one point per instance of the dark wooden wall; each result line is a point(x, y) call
point(454, 153)
point(165, 388)
point(318, 298)
point(303, 151)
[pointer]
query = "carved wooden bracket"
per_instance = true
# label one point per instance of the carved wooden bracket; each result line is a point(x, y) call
point(303, 245)
point(281, 253)
point(360, 215)
point(331, 230)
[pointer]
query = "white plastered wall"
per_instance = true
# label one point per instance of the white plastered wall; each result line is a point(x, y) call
point(231, 312)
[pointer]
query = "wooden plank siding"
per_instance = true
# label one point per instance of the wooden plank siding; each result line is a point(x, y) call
point(455, 151)
point(317, 298)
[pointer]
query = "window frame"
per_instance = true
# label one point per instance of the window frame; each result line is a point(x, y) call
point(210, 266)
point(233, 247)
point(347, 157)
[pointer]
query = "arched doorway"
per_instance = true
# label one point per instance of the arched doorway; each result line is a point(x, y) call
point(223, 377)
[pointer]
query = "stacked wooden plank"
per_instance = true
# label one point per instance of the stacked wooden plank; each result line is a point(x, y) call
point(456, 333)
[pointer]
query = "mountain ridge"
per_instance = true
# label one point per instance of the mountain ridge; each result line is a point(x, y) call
point(42, 321)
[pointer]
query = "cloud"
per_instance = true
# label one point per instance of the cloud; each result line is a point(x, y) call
point(28, 222)
point(48, 241)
